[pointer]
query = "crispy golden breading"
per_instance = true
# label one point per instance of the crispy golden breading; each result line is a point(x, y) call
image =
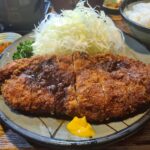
point(100, 87)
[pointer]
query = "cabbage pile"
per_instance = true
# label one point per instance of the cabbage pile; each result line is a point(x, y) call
point(82, 29)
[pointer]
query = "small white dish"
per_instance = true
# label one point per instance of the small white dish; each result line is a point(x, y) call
point(9, 37)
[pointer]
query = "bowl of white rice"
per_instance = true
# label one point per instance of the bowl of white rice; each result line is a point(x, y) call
point(136, 14)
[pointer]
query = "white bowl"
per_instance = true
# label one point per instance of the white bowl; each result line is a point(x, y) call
point(8, 37)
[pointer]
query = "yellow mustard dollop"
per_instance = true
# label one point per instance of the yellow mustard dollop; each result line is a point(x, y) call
point(80, 127)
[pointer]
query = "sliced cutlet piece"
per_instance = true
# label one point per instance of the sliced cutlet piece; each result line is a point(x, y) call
point(19, 95)
point(114, 91)
point(114, 95)
point(29, 91)
point(80, 61)
point(65, 98)
point(122, 94)
point(69, 103)
point(99, 97)
point(136, 76)
point(46, 87)
point(90, 96)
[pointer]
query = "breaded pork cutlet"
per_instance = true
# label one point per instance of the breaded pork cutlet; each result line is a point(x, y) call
point(41, 88)
point(106, 87)
point(101, 87)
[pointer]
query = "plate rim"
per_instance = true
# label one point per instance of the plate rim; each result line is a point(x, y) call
point(131, 129)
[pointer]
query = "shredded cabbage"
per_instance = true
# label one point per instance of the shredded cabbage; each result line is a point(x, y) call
point(82, 29)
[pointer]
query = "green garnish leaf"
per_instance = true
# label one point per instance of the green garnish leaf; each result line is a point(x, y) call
point(24, 50)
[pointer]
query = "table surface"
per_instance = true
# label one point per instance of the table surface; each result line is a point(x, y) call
point(139, 141)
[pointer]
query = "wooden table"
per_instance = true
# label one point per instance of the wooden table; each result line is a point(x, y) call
point(139, 141)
